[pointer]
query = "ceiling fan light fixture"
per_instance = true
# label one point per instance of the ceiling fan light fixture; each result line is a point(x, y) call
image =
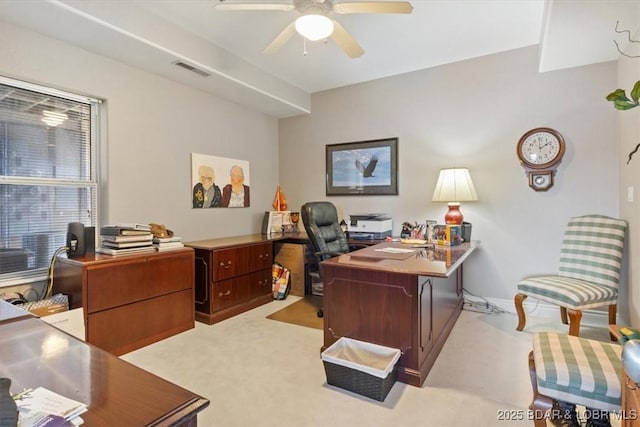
point(53, 118)
point(314, 27)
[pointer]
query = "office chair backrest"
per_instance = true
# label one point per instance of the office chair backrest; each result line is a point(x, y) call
point(592, 249)
point(322, 226)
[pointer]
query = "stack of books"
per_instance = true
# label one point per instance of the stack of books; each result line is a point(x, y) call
point(167, 243)
point(125, 239)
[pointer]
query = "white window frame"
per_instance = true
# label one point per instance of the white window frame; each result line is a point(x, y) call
point(36, 275)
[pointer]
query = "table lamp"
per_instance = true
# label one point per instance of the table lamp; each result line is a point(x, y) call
point(454, 186)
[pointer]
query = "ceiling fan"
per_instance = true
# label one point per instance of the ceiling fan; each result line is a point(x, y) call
point(314, 23)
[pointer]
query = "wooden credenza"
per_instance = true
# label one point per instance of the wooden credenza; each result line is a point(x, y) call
point(130, 301)
point(232, 275)
point(409, 302)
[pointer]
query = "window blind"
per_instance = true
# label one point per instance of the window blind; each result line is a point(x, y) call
point(47, 174)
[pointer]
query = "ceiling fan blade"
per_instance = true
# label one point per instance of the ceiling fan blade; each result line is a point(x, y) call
point(222, 5)
point(281, 39)
point(374, 7)
point(345, 41)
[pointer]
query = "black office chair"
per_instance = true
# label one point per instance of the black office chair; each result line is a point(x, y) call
point(323, 228)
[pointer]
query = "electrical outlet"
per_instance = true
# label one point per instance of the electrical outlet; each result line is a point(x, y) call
point(630, 194)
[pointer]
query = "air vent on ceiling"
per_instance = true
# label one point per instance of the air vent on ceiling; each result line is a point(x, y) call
point(192, 68)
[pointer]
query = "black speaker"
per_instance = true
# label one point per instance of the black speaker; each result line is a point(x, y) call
point(265, 223)
point(75, 240)
point(89, 240)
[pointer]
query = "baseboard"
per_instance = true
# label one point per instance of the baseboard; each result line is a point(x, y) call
point(541, 309)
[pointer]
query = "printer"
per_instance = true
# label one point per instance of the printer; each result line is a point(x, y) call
point(371, 226)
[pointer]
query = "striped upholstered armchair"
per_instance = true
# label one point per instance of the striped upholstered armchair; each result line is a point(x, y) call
point(589, 272)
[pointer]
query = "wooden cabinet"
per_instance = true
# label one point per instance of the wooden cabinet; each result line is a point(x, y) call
point(130, 301)
point(231, 276)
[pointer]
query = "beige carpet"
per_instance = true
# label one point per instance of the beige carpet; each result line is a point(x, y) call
point(302, 313)
point(481, 373)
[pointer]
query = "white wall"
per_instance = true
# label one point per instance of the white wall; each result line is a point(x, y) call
point(465, 114)
point(628, 138)
point(153, 125)
point(472, 114)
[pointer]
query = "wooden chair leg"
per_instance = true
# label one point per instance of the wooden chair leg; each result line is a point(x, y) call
point(574, 322)
point(522, 318)
point(541, 405)
point(563, 315)
point(612, 319)
point(613, 308)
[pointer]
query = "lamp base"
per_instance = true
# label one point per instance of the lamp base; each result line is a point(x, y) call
point(453, 216)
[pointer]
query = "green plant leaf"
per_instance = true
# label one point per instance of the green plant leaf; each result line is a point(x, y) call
point(623, 104)
point(617, 94)
point(635, 92)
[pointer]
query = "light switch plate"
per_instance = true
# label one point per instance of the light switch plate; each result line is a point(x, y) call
point(630, 194)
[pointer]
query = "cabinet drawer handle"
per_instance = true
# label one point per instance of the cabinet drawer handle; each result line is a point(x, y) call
point(264, 257)
point(263, 282)
point(226, 265)
point(631, 385)
point(225, 294)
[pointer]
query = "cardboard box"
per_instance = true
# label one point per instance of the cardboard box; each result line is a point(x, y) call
point(55, 304)
point(294, 256)
point(447, 235)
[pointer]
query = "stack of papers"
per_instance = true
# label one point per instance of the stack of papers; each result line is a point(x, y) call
point(43, 407)
point(395, 250)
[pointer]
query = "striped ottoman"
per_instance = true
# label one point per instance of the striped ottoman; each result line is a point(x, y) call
point(575, 370)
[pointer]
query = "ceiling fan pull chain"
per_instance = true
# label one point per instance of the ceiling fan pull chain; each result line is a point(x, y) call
point(304, 46)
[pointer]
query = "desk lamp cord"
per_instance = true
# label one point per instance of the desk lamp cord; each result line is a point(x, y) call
point(480, 304)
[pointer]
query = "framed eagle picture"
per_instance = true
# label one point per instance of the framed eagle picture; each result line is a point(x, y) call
point(365, 168)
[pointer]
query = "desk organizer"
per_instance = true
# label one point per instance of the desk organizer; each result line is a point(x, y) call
point(361, 367)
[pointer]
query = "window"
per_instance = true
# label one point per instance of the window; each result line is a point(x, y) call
point(47, 174)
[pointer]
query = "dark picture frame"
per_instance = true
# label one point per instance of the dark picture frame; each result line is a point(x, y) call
point(364, 168)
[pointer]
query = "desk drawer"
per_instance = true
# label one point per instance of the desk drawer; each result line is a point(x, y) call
point(260, 283)
point(228, 263)
point(110, 286)
point(141, 324)
point(227, 293)
point(260, 257)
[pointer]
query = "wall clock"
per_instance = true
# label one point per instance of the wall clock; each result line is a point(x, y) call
point(540, 150)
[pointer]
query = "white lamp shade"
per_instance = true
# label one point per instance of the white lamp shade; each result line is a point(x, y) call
point(454, 185)
point(314, 27)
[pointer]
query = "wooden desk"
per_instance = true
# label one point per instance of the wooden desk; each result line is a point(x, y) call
point(33, 353)
point(406, 302)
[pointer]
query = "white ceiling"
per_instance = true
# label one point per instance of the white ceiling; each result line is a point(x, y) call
point(228, 45)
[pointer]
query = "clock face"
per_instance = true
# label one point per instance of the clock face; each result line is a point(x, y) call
point(541, 148)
